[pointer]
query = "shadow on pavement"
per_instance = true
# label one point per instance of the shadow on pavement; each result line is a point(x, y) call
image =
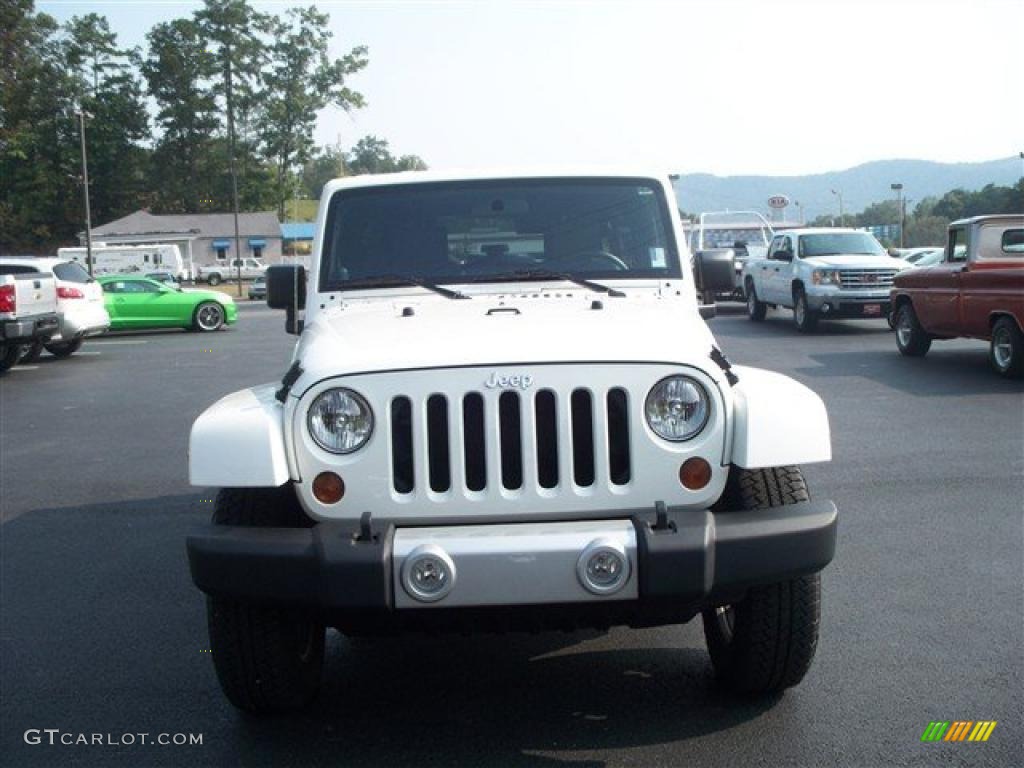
point(103, 632)
point(497, 701)
point(948, 372)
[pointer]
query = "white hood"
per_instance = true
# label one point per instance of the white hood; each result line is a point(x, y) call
point(856, 261)
point(366, 336)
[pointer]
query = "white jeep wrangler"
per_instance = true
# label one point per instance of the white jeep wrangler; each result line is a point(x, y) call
point(505, 411)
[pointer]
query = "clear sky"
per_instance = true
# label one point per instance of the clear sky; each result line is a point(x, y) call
point(725, 87)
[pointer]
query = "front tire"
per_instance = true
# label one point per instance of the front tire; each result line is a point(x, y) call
point(766, 642)
point(911, 339)
point(268, 659)
point(1006, 350)
point(64, 348)
point(756, 309)
point(208, 317)
point(214, 279)
point(805, 318)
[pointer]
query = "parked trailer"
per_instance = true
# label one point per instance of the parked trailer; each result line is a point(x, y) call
point(122, 259)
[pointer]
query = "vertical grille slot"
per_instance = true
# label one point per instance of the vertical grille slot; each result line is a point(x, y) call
point(546, 421)
point(474, 453)
point(402, 477)
point(439, 468)
point(582, 437)
point(511, 436)
point(618, 437)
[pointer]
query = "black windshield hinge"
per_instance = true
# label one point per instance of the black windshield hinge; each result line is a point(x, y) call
point(723, 362)
point(290, 377)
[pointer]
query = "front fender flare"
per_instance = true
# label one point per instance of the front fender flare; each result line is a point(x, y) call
point(239, 442)
point(777, 421)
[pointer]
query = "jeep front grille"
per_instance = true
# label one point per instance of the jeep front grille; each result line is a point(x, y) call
point(541, 441)
point(866, 279)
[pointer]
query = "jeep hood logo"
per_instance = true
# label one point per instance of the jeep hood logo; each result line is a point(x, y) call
point(515, 381)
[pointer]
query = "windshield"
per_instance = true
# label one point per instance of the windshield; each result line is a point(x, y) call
point(727, 238)
point(840, 243)
point(493, 230)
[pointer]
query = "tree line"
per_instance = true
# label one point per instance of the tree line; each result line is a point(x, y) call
point(164, 123)
point(927, 222)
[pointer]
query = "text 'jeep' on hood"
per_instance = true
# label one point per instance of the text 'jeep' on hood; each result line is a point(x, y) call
point(504, 409)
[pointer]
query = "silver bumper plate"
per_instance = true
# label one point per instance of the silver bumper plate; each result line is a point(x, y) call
point(514, 564)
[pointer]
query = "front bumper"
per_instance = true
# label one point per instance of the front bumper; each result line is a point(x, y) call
point(27, 329)
point(682, 562)
point(849, 304)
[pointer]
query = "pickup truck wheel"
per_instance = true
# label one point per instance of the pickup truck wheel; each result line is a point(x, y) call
point(268, 659)
point(213, 279)
point(911, 339)
point(64, 348)
point(756, 310)
point(9, 354)
point(31, 352)
point(1006, 351)
point(805, 318)
point(766, 642)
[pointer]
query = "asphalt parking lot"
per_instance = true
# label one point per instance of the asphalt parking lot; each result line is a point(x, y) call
point(102, 631)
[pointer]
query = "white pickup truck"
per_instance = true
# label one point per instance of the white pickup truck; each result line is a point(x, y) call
point(28, 310)
point(821, 273)
point(248, 269)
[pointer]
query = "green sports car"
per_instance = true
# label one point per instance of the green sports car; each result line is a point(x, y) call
point(139, 302)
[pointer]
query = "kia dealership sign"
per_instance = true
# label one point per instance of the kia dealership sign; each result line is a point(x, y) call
point(778, 202)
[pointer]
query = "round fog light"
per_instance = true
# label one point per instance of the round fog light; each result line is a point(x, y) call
point(428, 573)
point(603, 568)
point(328, 488)
point(695, 473)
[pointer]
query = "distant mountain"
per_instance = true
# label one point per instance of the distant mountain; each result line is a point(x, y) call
point(860, 186)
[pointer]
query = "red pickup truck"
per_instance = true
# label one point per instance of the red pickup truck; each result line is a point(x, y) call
point(976, 291)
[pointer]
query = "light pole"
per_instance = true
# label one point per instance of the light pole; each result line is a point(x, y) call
point(842, 217)
point(901, 213)
point(82, 114)
point(800, 208)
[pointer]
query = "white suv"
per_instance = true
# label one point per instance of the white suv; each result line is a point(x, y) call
point(505, 410)
point(80, 306)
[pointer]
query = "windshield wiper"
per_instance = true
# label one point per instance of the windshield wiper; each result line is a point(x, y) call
point(544, 274)
point(395, 281)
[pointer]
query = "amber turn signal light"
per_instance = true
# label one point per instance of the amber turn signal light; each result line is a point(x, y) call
point(328, 488)
point(695, 473)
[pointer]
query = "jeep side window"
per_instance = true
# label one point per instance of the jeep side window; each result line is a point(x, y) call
point(958, 244)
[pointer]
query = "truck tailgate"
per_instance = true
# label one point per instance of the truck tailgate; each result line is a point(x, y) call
point(35, 293)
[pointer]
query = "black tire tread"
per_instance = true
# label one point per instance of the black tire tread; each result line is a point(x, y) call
point(776, 625)
point(1016, 368)
point(920, 341)
point(810, 316)
point(254, 645)
point(64, 348)
point(760, 308)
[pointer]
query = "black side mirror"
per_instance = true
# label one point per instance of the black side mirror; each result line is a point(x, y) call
point(784, 255)
point(286, 289)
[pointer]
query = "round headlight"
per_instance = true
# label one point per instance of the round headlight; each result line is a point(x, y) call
point(677, 408)
point(340, 421)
